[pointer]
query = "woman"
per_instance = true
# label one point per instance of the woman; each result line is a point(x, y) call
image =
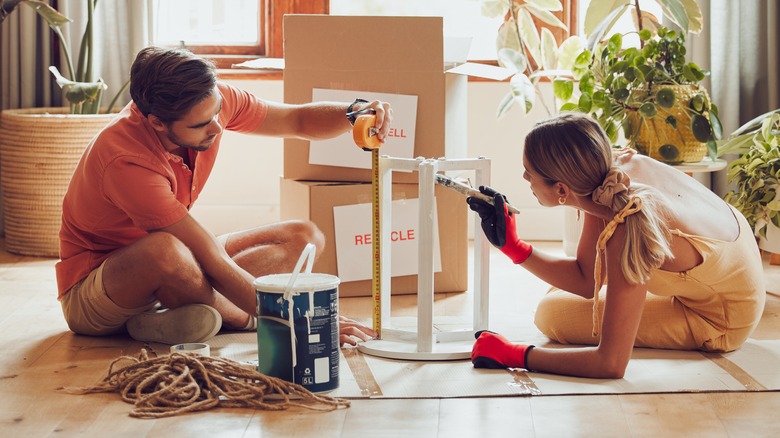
point(681, 267)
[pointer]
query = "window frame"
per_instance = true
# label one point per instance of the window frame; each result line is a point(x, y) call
point(272, 14)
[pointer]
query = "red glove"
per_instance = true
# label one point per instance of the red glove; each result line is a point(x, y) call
point(499, 225)
point(492, 350)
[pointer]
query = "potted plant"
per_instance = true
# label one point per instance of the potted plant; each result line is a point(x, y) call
point(530, 51)
point(756, 176)
point(650, 92)
point(40, 147)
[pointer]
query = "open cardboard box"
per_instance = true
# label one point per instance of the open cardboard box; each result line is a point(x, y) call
point(315, 201)
point(378, 55)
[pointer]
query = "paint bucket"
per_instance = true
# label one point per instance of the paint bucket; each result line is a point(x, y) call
point(297, 326)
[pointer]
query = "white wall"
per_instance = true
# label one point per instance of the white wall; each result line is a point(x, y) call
point(243, 190)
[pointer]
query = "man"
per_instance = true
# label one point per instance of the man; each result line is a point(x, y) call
point(128, 244)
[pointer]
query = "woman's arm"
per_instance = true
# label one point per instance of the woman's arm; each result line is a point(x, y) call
point(573, 275)
point(622, 314)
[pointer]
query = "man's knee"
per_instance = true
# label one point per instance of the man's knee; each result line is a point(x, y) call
point(167, 253)
point(304, 232)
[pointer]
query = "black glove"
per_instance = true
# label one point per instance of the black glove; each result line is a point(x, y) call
point(493, 219)
point(499, 225)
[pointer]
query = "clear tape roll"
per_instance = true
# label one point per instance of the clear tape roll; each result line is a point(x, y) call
point(192, 348)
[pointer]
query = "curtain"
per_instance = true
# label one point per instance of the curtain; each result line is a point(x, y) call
point(25, 56)
point(121, 30)
point(739, 45)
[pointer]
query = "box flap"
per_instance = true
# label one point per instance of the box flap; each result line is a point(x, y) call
point(456, 50)
point(372, 43)
point(482, 71)
point(262, 64)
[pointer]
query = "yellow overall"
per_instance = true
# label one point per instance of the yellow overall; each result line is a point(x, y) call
point(712, 307)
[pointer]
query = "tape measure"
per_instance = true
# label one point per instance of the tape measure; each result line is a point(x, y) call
point(364, 135)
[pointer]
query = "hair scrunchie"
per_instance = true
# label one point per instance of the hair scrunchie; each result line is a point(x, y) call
point(615, 182)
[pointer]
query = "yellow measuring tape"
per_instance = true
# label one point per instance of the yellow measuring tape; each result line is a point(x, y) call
point(364, 134)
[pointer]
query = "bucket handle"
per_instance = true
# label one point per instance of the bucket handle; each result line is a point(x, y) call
point(307, 256)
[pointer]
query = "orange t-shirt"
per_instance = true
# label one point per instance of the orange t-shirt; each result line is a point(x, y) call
point(127, 184)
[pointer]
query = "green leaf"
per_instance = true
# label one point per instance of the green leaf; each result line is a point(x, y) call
point(611, 131)
point(717, 128)
point(563, 88)
point(712, 149)
point(511, 59)
point(675, 10)
point(583, 59)
point(506, 103)
point(587, 84)
point(495, 8)
point(693, 73)
point(585, 103)
point(529, 33)
point(695, 18)
point(648, 110)
point(599, 10)
point(545, 16)
point(507, 38)
point(603, 27)
point(523, 91)
point(698, 103)
point(547, 5)
point(615, 43)
point(701, 128)
point(621, 94)
point(568, 52)
point(670, 153)
point(649, 22)
point(665, 97)
point(52, 17)
point(548, 49)
point(735, 145)
point(569, 106)
point(754, 124)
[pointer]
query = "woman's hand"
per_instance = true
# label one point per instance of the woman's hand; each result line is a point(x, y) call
point(351, 332)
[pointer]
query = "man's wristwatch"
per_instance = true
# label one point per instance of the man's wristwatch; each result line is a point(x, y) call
point(351, 115)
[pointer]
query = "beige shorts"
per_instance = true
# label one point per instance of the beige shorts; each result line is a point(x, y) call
point(89, 311)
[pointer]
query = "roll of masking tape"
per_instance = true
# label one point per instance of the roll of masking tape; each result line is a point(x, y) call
point(192, 348)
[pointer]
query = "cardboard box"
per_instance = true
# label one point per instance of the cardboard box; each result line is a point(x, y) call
point(373, 55)
point(315, 201)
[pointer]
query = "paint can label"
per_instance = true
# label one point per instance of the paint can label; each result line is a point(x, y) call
point(298, 339)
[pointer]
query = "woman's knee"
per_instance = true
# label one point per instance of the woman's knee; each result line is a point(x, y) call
point(546, 313)
point(565, 318)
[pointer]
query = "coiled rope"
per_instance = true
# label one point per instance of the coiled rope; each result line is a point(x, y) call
point(180, 382)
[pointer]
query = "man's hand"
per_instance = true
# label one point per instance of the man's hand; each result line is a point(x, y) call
point(384, 116)
point(351, 332)
point(499, 225)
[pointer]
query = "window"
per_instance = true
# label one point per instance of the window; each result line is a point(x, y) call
point(227, 31)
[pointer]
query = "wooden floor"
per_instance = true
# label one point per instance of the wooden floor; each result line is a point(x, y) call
point(39, 354)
